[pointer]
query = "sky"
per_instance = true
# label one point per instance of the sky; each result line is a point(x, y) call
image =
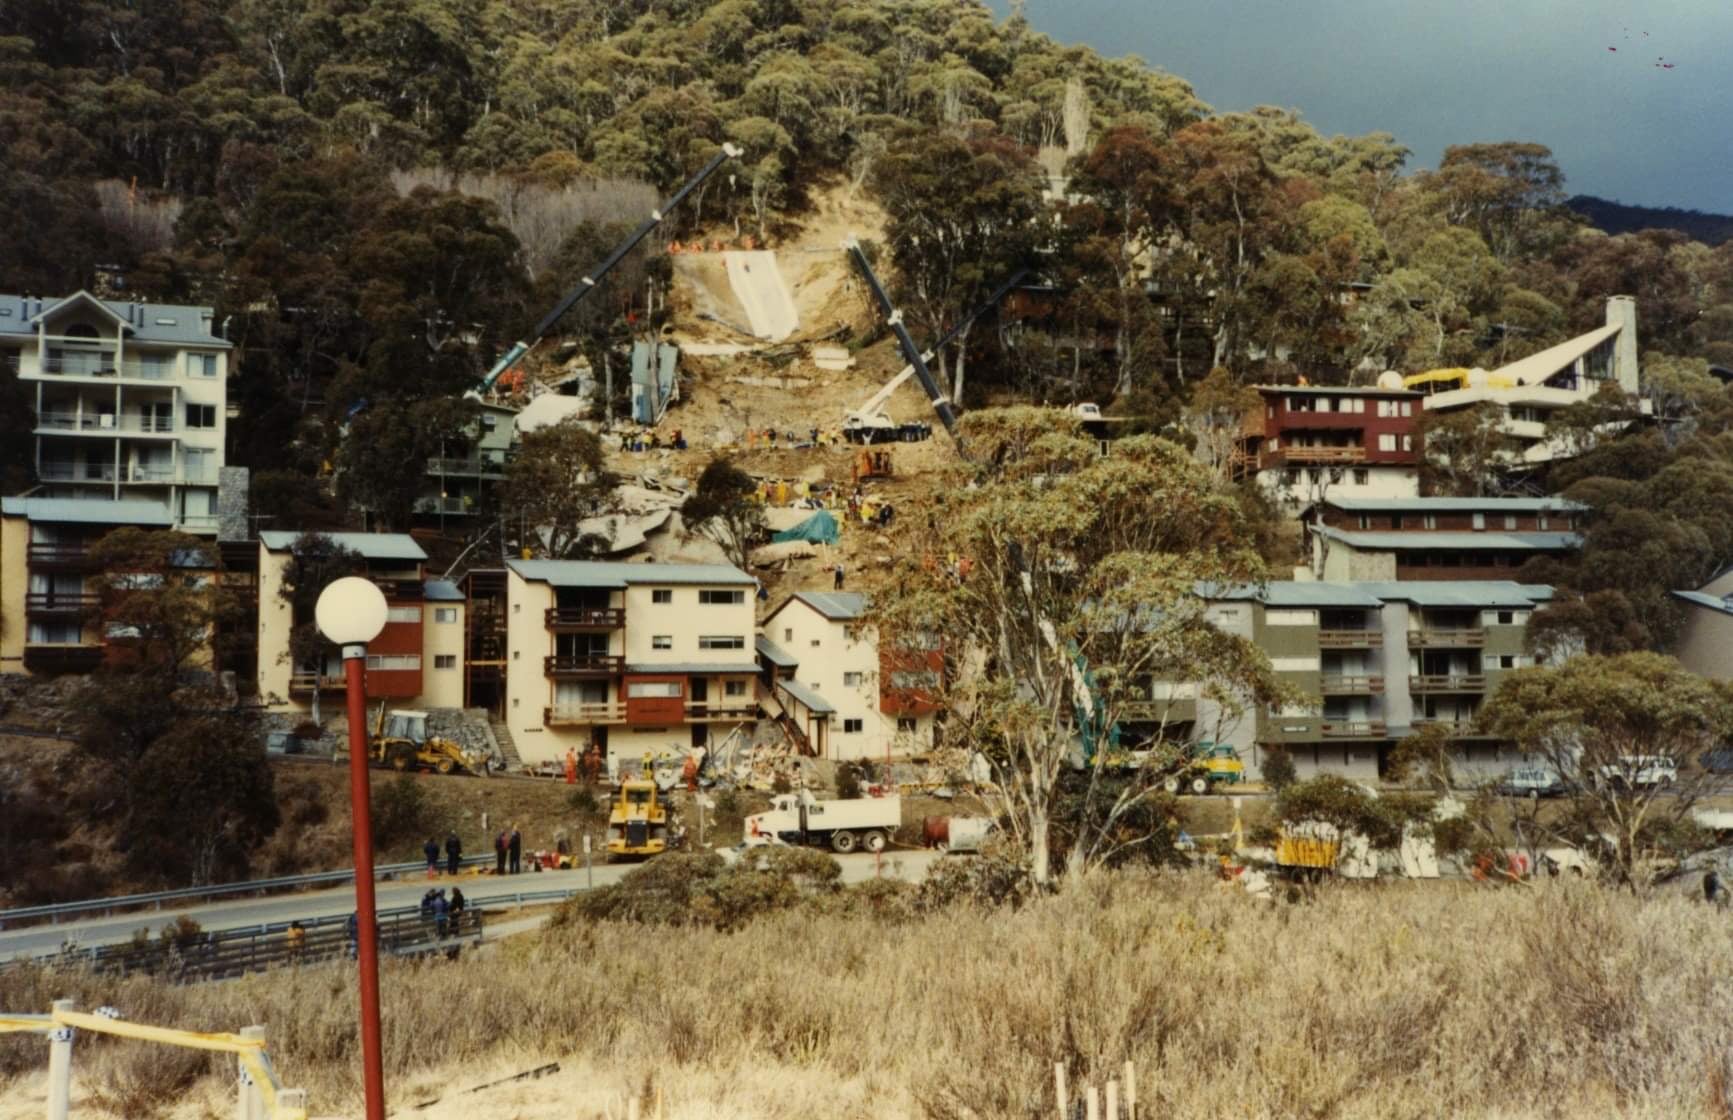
point(1460, 71)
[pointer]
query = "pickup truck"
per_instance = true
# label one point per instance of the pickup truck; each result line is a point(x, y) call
point(845, 825)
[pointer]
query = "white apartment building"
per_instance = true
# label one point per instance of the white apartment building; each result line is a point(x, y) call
point(633, 659)
point(131, 399)
point(1532, 389)
point(824, 657)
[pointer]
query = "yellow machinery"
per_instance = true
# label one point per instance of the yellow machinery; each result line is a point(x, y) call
point(1309, 852)
point(638, 821)
point(871, 463)
point(1211, 765)
point(399, 740)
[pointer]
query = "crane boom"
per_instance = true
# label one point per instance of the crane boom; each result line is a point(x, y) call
point(879, 398)
point(911, 352)
point(588, 283)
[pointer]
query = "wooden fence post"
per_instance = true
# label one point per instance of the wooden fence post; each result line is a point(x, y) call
point(60, 1066)
point(1059, 1089)
point(1091, 1104)
point(249, 1103)
point(1113, 1100)
point(1130, 1091)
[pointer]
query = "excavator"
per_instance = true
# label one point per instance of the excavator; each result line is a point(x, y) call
point(509, 360)
point(399, 739)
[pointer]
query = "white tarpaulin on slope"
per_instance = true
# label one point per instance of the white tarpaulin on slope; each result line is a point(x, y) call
point(759, 287)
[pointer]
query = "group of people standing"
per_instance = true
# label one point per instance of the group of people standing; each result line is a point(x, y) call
point(508, 849)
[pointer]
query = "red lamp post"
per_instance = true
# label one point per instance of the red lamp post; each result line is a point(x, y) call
point(351, 612)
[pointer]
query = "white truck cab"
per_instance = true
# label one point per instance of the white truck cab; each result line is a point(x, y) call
point(843, 825)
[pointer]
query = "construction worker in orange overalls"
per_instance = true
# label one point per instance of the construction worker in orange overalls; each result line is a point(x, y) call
point(592, 763)
point(690, 773)
point(571, 766)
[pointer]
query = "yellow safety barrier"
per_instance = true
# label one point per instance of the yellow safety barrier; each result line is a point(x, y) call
point(249, 1051)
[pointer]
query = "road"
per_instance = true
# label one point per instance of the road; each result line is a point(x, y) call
point(340, 901)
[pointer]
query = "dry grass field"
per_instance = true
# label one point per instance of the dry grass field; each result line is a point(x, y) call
point(1388, 1002)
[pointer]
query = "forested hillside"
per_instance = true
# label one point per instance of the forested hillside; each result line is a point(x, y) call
point(1616, 217)
point(379, 195)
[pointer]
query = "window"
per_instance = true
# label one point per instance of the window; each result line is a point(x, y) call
point(788, 633)
point(394, 662)
point(1480, 521)
point(653, 690)
point(1396, 521)
point(1408, 408)
point(905, 726)
point(815, 643)
point(1386, 441)
point(201, 415)
point(721, 641)
point(198, 465)
point(851, 726)
point(1386, 408)
point(517, 654)
point(662, 595)
point(915, 678)
point(517, 608)
point(734, 688)
point(852, 680)
point(202, 365)
point(445, 661)
point(721, 598)
point(1430, 521)
point(445, 614)
point(403, 614)
point(489, 420)
point(1365, 522)
point(1506, 618)
point(1541, 521)
point(1362, 476)
point(1408, 443)
point(851, 632)
point(1510, 521)
point(662, 641)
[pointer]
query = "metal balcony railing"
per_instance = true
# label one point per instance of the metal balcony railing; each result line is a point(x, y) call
point(327, 682)
point(1352, 729)
point(1350, 639)
point(584, 665)
point(585, 618)
point(1338, 684)
point(64, 555)
point(476, 467)
point(734, 707)
point(105, 423)
point(53, 603)
point(1448, 682)
point(1447, 638)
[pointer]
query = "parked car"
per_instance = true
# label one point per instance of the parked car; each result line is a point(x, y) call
point(1718, 761)
point(284, 742)
point(1639, 771)
point(1533, 782)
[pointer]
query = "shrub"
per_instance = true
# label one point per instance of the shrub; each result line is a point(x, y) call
point(660, 892)
point(1279, 769)
point(402, 812)
point(307, 729)
point(780, 784)
point(583, 800)
point(728, 802)
point(991, 878)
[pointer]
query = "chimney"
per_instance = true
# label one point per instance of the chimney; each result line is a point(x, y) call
point(1622, 312)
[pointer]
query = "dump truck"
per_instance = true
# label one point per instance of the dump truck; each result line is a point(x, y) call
point(637, 821)
point(399, 739)
point(1210, 765)
point(844, 825)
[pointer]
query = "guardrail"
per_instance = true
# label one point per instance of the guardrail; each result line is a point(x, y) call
point(105, 906)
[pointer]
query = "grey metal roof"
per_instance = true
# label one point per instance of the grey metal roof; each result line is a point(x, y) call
point(695, 667)
point(775, 654)
point(369, 546)
point(808, 697)
point(1456, 505)
point(1337, 390)
point(441, 591)
point(90, 511)
point(1701, 599)
point(170, 323)
point(1464, 541)
point(834, 605)
point(1488, 593)
point(593, 573)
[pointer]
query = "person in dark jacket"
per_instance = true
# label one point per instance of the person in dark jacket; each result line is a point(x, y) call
point(453, 852)
point(499, 848)
point(431, 851)
point(441, 908)
point(517, 850)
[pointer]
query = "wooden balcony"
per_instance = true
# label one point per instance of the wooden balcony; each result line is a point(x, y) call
point(734, 707)
point(583, 665)
point(560, 715)
point(47, 604)
point(1458, 728)
point(62, 658)
point(1331, 684)
point(1366, 729)
point(59, 556)
point(1450, 682)
point(586, 618)
point(1446, 639)
point(1350, 639)
point(1316, 456)
point(301, 684)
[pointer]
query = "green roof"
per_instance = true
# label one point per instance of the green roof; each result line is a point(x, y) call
point(368, 546)
point(593, 573)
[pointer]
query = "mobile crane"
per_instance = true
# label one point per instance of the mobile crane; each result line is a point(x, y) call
point(589, 282)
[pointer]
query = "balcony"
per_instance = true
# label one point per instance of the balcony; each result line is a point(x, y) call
point(198, 522)
point(1316, 456)
point(452, 507)
point(59, 556)
point(1332, 684)
point(1449, 682)
point(75, 472)
point(585, 618)
point(303, 683)
point(577, 666)
point(47, 604)
point(478, 468)
point(103, 424)
point(1468, 638)
point(737, 707)
point(101, 365)
point(1348, 729)
point(560, 714)
point(1350, 639)
point(46, 658)
point(1458, 728)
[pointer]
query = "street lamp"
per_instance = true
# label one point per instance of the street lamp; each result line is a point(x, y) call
point(351, 612)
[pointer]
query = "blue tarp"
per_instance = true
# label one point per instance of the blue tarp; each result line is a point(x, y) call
point(820, 528)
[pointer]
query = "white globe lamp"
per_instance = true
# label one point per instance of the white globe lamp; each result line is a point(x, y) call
point(351, 611)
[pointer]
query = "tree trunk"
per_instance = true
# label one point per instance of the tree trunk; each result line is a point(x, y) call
point(962, 357)
point(315, 697)
point(1040, 858)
